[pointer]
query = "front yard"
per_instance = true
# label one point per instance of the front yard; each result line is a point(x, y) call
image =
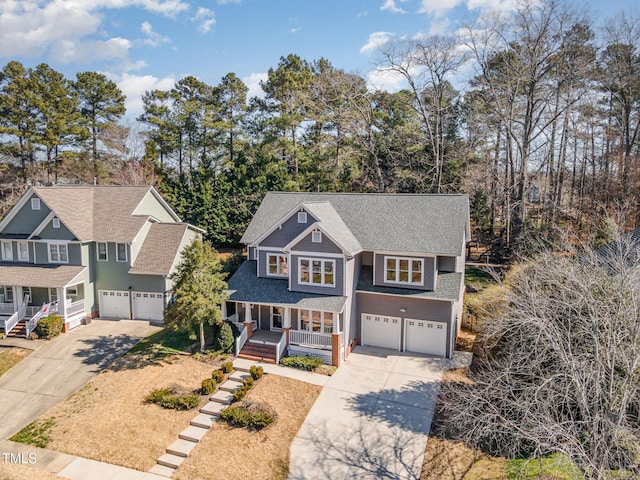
point(10, 357)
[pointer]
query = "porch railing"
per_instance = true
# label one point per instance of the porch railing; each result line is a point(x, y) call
point(6, 308)
point(282, 344)
point(233, 318)
point(75, 308)
point(241, 339)
point(35, 318)
point(13, 320)
point(316, 339)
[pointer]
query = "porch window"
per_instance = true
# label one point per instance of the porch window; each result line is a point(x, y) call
point(316, 272)
point(23, 251)
point(316, 321)
point(53, 294)
point(277, 314)
point(403, 270)
point(277, 265)
point(121, 252)
point(103, 256)
point(58, 253)
point(7, 251)
point(72, 291)
point(8, 294)
point(27, 291)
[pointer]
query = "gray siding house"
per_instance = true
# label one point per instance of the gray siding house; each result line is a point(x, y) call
point(329, 271)
point(87, 251)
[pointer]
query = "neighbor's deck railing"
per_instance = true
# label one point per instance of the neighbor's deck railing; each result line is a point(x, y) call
point(241, 339)
point(282, 344)
point(316, 339)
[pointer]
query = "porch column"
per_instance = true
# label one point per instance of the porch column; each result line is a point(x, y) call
point(336, 342)
point(286, 322)
point(223, 306)
point(248, 322)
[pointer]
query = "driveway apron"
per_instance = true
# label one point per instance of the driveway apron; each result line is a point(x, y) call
point(371, 420)
point(61, 366)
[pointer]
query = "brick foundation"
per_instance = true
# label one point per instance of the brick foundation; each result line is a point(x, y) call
point(249, 327)
point(286, 331)
point(335, 349)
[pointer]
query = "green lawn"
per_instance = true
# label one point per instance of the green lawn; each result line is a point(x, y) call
point(167, 341)
point(477, 277)
point(557, 466)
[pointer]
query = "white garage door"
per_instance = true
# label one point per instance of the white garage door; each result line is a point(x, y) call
point(381, 331)
point(148, 305)
point(114, 304)
point(422, 336)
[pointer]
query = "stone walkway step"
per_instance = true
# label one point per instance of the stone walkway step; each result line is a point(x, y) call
point(238, 376)
point(230, 385)
point(242, 368)
point(162, 470)
point(204, 421)
point(181, 448)
point(212, 408)
point(193, 434)
point(221, 397)
point(171, 460)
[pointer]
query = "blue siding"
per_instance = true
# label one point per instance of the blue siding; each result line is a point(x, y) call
point(325, 246)
point(289, 230)
point(27, 220)
point(428, 280)
point(339, 277)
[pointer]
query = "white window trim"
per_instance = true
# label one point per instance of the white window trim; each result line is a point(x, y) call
point(310, 321)
point(316, 236)
point(271, 315)
point(20, 257)
point(118, 259)
point(35, 203)
point(28, 292)
point(397, 260)
point(277, 257)
point(58, 245)
point(51, 297)
point(55, 223)
point(5, 257)
point(72, 291)
point(302, 217)
point(106, 251)
point(322, 271)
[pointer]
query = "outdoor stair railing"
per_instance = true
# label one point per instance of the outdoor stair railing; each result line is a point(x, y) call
point(12, 321)
point(282, 344)
point(44, 311)
point(242, 338)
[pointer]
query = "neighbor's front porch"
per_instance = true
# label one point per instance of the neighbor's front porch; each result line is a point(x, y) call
point(297, 331)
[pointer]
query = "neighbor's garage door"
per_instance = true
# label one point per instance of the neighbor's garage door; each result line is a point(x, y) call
point(425, 337)
point(114, 304)
point(381, 331)
point(148, 305)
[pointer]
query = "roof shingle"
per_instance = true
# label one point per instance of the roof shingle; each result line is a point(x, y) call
point(159, 249)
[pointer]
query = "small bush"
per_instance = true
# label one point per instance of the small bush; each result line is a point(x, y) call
point(303, 363)
point(248, 382)
point(224, 339)
point(254, 416)
point(218, 376)
point(170, 398)
point(49, 327)
point(239, 393)
point(208, 386)
point(256, 372)
point(227, 367)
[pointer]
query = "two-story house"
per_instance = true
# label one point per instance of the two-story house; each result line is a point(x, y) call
point(328, 271)
point(87, 251)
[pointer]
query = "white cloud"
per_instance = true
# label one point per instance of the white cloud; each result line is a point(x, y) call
point(499, 5)
point(153, 39)
point(227, 2)
point(253, 84)
point(295, 29)
point(438, 8)
point(134, 86)
point(69, 51)
point(392, 7)
point(206, 17)
point(387, 80)
point(376, 40)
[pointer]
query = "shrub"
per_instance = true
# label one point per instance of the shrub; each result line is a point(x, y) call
point(170, 398)
point(224, 339)
point(303, 363)
point(256, 372)
point(208, 386)
point(239, 393)
point(227, 367)
point(218, 376)
point(50, 326)
point(254, 416)
point(248, 382)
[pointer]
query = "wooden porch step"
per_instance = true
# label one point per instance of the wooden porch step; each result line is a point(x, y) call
point(257, 358)
point(19, 331)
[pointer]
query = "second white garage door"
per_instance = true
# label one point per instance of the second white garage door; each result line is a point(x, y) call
point(148, 305)
point(422, 336)
point(381, 331)
point(114, 304)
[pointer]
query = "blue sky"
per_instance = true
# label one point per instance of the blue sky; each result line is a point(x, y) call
point(147, 44)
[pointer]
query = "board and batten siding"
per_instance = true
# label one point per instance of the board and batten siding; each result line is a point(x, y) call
point(338, 289)
point(150, 205)
point(428, 277)
point(26, 220)
point(289, 230)
point(418, 309)
point(306, 244)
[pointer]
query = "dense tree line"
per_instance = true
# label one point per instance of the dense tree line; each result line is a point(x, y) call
point(544, 130)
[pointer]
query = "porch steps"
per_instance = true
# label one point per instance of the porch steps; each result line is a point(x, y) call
point(261, 352)
point(177, 452)
point(19, 331)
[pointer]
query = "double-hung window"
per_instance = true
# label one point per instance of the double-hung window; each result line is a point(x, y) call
point(121, 252)
point(315, 321)
point(58, 253)
point(7, 251)
point(312, 271)
point(403, 270)
point(277, 314)
point(103, 256)
point(23, 251)
point(277, 265)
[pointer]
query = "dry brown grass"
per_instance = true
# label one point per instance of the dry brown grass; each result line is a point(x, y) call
point(448, 460)
point(10, 357)
point(21, 472)
point(235, 453)
point(108, 420)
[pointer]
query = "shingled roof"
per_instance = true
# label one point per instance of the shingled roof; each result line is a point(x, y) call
point(158, 252)
point(389, 222)
point(49, 276)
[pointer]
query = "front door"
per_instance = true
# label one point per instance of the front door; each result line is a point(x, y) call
point(277, 314)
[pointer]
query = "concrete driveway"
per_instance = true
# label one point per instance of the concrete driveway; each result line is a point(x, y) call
point(371, 420)
point(59, 367)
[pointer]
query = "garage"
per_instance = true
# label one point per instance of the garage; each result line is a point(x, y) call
point(148, 305)
point(423, 336)
point(114, 304)
point(381, 331)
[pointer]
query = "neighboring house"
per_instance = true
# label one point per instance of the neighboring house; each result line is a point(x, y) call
point(105, 250)
point(331, 271)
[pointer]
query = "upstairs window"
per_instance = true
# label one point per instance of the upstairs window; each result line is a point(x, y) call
point(316, 237)
point(316, 272)
point(7, 251)
point(277, 265)
point(35, 204)
point(302, 217)
point(103, 256)
point(56, 223)
point(121, 252)
point(58, 253)
point(408, 271)
point(23, 251)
